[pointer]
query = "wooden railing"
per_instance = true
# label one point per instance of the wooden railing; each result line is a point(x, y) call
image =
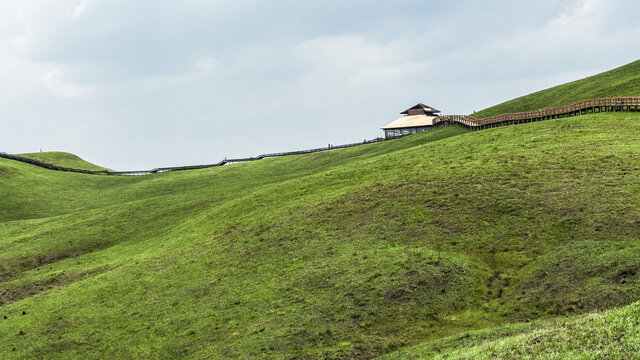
point(627, 103)
point(51, 166)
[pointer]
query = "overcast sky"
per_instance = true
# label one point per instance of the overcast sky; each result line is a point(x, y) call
point(137, 84)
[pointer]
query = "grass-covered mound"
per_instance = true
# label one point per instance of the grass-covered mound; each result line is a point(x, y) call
point(610, 335)
point(623, 81)
point(63, 159)
point(343, 254)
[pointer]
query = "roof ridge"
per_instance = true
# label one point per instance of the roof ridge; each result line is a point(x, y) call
point(426, 108)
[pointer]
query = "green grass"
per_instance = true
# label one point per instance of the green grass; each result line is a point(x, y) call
point(344, 254)
point(623, 81)
point(610, 335)
point(63, 159)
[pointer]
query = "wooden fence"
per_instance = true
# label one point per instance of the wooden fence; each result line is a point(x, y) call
point(180, 168)
point(53, 167)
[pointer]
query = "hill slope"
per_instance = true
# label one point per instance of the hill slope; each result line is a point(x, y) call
point(623, 81)
point(63, 159)
point(609, 335)
point(344, 254)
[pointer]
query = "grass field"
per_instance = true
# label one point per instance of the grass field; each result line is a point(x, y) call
point(623, 81)
point(344, 254)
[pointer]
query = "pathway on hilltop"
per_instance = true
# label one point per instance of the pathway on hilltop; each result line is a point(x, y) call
point(629, 103)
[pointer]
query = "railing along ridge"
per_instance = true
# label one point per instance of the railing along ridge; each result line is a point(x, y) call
point(54, 167)
point(626, 103)
point(51, 166)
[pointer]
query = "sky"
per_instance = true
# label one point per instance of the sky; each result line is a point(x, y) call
point(138, 84)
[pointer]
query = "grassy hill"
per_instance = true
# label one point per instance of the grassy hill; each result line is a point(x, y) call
point(63, 159)
point(609, 335)
point(344, 254)
point(623, 81)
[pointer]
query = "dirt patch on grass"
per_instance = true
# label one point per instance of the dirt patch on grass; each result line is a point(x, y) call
point(626, 274)
point(37, 260)
point(12, 294)
point(14, 267)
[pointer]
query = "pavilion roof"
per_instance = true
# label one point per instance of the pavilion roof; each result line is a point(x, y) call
point(421, 106)
point(410, 121)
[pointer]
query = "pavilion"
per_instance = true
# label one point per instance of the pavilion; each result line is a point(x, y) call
point(416, 119)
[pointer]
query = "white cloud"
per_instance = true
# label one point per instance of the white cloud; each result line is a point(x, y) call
point(206, 65)
point(359, 61)
point(59, 86)
point(24, 40)
point(577, 12)
point(79, 9)
point(202, 68)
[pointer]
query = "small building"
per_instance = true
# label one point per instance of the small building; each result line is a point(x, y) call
point(416, 119)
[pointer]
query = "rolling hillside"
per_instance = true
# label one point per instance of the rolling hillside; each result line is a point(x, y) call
point(623, 81)
point(517, 241)
point(63, 159)
point(345, 254)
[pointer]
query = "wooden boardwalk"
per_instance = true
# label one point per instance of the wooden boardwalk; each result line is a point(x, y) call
point(629, 103)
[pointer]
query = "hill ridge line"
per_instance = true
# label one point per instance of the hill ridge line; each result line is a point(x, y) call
point(226, 161)
point(611, 104)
